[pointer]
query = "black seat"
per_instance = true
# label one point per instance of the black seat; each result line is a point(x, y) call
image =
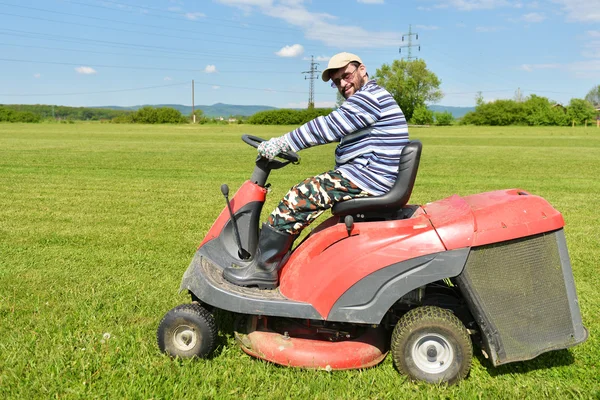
point(398, 195)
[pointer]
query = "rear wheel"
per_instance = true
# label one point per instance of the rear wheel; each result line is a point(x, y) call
point(186, 331)
point(431, 344)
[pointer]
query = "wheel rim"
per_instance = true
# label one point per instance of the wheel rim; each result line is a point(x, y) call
point(185, 337)
point(432, 353)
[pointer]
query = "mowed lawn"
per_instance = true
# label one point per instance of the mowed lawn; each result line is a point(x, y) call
point(98, 222)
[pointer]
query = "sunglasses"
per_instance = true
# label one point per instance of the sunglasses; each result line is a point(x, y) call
point(335, 83)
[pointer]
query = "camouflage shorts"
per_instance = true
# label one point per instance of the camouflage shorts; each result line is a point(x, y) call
point(307, 200)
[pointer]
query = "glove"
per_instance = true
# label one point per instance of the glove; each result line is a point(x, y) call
point(272, 147)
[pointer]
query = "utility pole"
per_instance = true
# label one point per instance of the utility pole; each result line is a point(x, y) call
point(193, 115)
point(410, 44)
point(312, 76)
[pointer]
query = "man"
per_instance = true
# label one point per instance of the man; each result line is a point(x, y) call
point(371, 130)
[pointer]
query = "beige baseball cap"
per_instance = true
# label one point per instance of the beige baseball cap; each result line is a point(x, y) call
point(340, 60)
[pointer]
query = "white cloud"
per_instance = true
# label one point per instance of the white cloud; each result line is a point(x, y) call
point(371, 1)
point(215, 87)
point(589, 69)
point(294, 50)
point(533, 67)
point(591, 45)
point(247, 5)
point(168, 78)
point(470, 5)
point(428, 27)
point(210, 69)
point(533, 17)
point(37, 76)
point(580, 10)
point(194, 15)
point(585, 69)
point(321, 27)
point(85, 70)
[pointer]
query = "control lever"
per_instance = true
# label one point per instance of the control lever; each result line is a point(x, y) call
point(243, 254)
point(349, 221)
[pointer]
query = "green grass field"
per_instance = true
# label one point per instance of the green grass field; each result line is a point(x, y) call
point(98, 222)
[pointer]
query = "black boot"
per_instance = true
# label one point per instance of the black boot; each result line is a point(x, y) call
point(273, 245)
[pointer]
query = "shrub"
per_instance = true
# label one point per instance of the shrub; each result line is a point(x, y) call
point(123, 119)
point(497, 113)
point(286, 116)
point(580, 110)
point(8, 115)
point(443, 118)
point(422, 116)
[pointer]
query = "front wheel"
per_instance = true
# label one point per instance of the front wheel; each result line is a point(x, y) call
point(431, 344)
point(186, 331)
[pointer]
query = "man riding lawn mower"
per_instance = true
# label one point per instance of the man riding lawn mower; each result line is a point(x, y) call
point(380, 275)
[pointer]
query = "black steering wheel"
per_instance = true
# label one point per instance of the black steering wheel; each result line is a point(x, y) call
point(254, 141)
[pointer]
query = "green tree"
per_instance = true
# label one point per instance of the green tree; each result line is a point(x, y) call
point(168, 115)
point(593, 95)
point(422, 116)
point(580, 110)
point(497, 113)
point(410, 83)
point(200, 117)
point(479, 99)
point(146, 115)
point(443, 118)
point(286, 116)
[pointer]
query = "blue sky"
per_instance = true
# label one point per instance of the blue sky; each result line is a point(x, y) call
point(130, 52)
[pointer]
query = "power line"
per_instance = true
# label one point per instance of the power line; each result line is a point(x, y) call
point(132, 31)
point(98, 92)
point(222, 21)
point(162, 12)
point(253, 44)
point(45, 36)
point(139, 67)
point(154, 87)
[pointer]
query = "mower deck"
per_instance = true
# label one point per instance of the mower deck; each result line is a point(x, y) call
point(312, 348)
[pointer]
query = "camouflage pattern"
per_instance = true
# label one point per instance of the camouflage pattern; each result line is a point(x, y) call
point(308, 199)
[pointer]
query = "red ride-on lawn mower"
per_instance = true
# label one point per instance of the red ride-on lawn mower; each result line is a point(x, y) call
point(381, 275)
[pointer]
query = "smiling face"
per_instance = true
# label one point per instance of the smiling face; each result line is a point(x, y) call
point(349, 79)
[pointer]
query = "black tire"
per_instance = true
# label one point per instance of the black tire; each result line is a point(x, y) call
point(431, 344)
point(187, 331)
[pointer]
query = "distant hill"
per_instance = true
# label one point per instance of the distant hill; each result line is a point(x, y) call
point(457, 112)
point(216, 110)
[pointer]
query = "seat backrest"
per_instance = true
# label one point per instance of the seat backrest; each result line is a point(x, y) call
point(398, 195)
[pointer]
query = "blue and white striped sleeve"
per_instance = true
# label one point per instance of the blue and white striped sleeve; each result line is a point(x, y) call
point(358, 112)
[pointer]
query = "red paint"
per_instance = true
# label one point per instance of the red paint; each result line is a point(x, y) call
point(363, 352)
point(491, 217)
point(247, 193)
point(329, 262)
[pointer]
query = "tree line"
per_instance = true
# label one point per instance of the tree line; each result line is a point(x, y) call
point(411, 84)
point(533, 111)
point(39, 112)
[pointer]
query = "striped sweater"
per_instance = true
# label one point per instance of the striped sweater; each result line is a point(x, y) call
point(372, 131)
